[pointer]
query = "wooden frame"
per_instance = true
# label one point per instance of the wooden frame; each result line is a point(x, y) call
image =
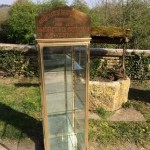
point(55, 43)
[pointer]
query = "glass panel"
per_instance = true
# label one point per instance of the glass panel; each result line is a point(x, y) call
point(55, 59)
point(80, 99)
point(65, 89)
point(60, 125)
point(80, 56)
point(56, 103)
point(63, 143)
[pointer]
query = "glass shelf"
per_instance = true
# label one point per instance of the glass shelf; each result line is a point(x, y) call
point(55, 82)
point(63, 136)
point(67, 142)
point(56, 103)
point(61, 124)
point(60, 68)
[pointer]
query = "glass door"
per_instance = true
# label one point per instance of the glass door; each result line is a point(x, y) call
point(65, 89)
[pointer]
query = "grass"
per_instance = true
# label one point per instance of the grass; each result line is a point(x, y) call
point(126, 105)
point(103, 113)
point(20, 117)
point(110, 32)
point(104, 132)
point(23, 99)
point(139, 97)
point(20, 111)
point(143, 107)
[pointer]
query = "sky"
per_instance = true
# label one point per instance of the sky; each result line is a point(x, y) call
point(11, 1)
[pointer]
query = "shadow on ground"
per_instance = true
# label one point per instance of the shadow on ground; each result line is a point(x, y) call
point(27, 84)
point(139, 95)
point(26, 124)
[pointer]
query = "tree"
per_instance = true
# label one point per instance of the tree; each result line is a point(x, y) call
point(3, 19)
point(21, 23)
point(56, 3)
point(81, 5)
point(133, 14)
point(137, 14)
point(4, 13)
point(97, 16)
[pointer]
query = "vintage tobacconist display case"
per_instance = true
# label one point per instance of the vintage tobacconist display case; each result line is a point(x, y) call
point(63, 41)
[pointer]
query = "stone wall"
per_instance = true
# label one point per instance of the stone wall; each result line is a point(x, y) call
point(109, 95)
point(30, 54)
point(19, 60)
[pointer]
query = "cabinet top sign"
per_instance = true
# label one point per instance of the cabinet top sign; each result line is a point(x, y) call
point(62, 22)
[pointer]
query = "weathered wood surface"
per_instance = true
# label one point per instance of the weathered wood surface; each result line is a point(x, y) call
point(100, 52)
point(17, 47)
point(93, 51)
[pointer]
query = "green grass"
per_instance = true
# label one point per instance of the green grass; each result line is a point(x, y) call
point(23, 99)
point(144, 108)
point(103, 113)
point(20, 116)
point(139, 97)
point(105, 132)
point(126, 105)
point(20, 111)
point(145, 85)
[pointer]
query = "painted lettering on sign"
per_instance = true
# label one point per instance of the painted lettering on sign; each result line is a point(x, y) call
point(63, 22)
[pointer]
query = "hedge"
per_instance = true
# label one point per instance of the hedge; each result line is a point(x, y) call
point(16, 63)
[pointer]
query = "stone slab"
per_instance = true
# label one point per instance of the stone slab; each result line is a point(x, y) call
point(129, 114)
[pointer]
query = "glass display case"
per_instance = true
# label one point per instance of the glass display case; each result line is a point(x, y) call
point(64, 80)
point(63, 43)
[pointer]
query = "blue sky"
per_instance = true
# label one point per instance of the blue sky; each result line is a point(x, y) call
point(11, 1)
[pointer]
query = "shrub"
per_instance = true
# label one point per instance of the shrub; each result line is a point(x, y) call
point(138, 67)
point(16, 63)
point(94, 68)
point(99, 70)
point(21, 22)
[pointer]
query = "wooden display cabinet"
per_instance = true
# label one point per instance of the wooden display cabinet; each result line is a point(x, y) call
point(64, 67)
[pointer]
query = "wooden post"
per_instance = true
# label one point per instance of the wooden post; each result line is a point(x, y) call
point(123, 56)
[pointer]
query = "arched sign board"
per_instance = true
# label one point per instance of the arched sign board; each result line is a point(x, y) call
point(62, 22)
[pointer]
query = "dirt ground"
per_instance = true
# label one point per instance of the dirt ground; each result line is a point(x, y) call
point(129, 114)
point(119, 146)
point(29, 145)
point(20, 80)
point(17, 145)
